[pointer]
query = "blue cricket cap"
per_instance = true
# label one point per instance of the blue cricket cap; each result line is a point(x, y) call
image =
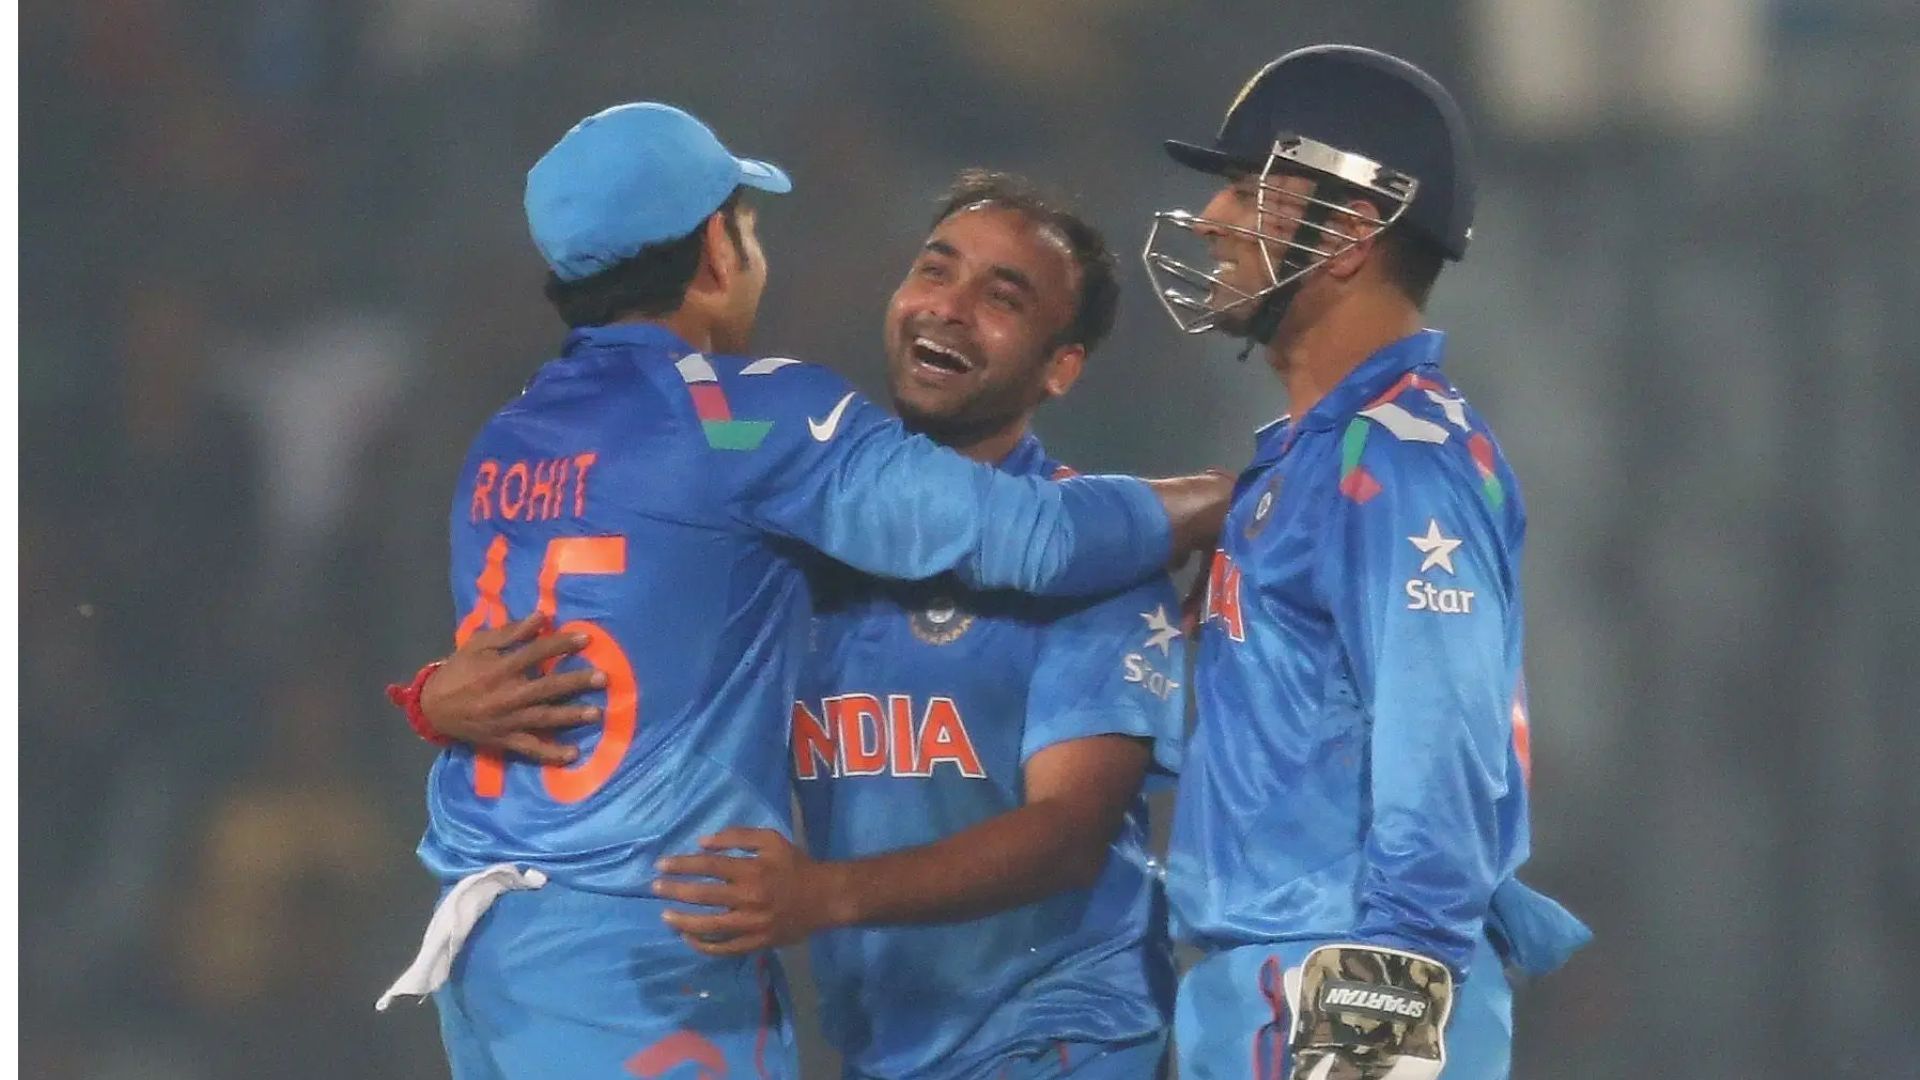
point(628, 177)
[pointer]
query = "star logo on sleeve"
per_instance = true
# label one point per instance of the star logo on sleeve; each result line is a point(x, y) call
point(1436, 547)
point(1160, 631)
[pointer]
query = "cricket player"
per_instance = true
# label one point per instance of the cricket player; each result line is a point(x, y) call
point(969, 763)
point(1353, 804)
point(657, 493)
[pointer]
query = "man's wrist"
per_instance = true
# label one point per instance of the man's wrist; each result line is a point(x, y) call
point(839, 904)
point(407, 698)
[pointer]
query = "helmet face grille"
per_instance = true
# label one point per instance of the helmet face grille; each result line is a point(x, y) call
point(1296, 232)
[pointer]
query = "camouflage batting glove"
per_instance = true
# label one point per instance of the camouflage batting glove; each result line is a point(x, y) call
point(1366, 1013)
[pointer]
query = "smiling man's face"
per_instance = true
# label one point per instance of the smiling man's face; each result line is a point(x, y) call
point(973, 330)
point(1238, 263)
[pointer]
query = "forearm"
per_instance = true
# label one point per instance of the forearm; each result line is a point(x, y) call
point(1389, 919)
point(900, 506)
point(1016, 858)
point(1079, 537)
point(1077, 793)
point(1429, 880)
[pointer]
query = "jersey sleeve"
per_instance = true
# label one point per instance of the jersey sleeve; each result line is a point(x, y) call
point(838, 474)
point(1531, 930)
point(1113, 667)
point(1424, 602)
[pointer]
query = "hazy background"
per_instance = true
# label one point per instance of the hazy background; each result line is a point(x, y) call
point(274, 273)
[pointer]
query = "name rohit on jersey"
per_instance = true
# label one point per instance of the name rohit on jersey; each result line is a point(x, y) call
point(853, 735)
point(531, 490)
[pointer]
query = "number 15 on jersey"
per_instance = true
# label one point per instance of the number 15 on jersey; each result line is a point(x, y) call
point(565, 555)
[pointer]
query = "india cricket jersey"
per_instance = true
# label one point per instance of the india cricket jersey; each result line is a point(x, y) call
point(919, 708)
point(1356, 772)
point(658, 501)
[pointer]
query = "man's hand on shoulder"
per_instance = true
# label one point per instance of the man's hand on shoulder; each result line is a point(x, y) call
point(490, 695)
point(1197, 506)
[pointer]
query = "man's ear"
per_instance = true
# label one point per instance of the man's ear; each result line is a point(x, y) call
point(1348, 263)
point(1063, 369)
point(719, 259)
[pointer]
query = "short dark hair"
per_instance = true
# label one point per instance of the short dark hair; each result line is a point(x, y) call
point(1099, 277)
point(649, 283)
point(1412, 263)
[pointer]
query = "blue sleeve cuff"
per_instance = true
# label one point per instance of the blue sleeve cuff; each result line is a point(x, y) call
point(1531, 930)
point(1452, 944)
point(1121, 535)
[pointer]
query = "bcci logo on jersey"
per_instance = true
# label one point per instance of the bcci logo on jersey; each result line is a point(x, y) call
point(942, 622)
point(1263, 509)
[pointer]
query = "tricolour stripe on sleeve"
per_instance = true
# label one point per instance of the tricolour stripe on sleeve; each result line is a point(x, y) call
point(710, 404)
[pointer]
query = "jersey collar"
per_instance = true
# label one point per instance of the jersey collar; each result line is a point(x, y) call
point(643, 335)
point(1027, 458)
point(1364, 383)
point(1372, 378)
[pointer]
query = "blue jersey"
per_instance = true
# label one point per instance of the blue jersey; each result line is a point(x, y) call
point(661, 501)
point(1354, 774)
point(920, 707)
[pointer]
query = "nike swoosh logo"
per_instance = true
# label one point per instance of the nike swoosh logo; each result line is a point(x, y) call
point(822, 430)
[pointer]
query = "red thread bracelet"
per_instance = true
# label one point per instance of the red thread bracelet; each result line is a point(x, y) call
point(408, 699)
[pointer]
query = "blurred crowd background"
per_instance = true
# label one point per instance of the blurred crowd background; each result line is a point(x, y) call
point(274, 272)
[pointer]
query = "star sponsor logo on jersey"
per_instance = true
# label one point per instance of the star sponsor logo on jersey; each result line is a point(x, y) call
point(1263, 509)
point(1140, 671)
point(1138, 666)
point(1160, 630)
point(941, 622)
point(1436, 549)
point(1424, 596)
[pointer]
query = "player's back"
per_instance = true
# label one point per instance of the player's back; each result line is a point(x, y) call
point(602, 496)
